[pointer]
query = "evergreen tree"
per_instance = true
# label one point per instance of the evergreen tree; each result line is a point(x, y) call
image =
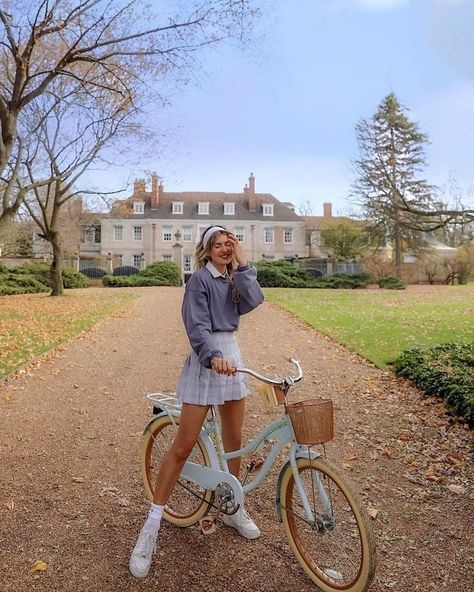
point(344, 240)
point(393, 196)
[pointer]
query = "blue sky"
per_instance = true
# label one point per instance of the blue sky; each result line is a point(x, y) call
point(285, 108)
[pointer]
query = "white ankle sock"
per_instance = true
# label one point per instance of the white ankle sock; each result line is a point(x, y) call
point(153, 522)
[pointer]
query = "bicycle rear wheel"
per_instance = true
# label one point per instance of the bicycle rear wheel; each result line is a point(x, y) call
point(337, 549)
point(188, 502)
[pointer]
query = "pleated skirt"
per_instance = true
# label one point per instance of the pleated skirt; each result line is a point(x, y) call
point(203, 386)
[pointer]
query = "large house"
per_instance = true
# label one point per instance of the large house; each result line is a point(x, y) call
point(147, 226)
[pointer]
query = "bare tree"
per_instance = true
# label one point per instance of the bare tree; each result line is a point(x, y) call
point(113, 49)
point(61, 148)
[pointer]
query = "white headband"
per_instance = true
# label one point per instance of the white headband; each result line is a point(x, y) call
point(209, 232)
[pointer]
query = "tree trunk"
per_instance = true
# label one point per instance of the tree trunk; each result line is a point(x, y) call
point(398, 251)
point(56, 265)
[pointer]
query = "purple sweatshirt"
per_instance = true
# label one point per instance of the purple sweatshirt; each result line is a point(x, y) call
point(208, 306)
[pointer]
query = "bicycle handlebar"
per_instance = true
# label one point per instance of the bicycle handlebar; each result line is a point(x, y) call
point(288, 381)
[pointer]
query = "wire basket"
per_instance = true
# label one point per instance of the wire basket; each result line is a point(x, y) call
point(312, 421)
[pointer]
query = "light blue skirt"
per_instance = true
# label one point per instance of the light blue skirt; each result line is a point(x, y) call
point(203, 386)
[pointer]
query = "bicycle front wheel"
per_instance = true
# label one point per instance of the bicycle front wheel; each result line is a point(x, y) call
point(188, 502)
point(336, 548)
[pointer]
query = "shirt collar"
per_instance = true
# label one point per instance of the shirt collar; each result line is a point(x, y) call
point(215, 272)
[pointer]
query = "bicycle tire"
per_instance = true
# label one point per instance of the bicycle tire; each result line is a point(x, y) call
point(188, 503)
point(323, 549)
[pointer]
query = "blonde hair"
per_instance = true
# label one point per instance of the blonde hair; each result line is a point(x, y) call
point(203, 254)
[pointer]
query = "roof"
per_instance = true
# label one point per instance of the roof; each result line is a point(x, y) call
point(321, 221)
point(190, 200)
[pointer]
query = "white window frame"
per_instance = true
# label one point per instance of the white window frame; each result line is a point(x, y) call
point(229, 208)
point(139, 207)
point(291, 236)
point(177, 207)
point(138, 258)
point(267, 209)
point(200, 232)
point(240, 235)
point(167, 230)
point(203, 208)
point(118, 228)
point(271, 230)
point(89, 234)
point(167, 257)
point(135, 229)
point(190, 235)
point(187, 263)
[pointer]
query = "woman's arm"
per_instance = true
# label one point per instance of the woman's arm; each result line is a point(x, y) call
point(245, 282)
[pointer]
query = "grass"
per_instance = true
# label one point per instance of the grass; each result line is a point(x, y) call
point(381, 324)
point(31, 324)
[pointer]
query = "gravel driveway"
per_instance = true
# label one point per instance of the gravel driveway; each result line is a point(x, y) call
point(71, 492)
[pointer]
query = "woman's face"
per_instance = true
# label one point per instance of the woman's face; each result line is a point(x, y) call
point(221, 251)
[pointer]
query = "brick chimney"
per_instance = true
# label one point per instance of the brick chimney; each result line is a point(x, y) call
point(327, 209)
point(138, 187)
point(155, 198)
point(251, 194)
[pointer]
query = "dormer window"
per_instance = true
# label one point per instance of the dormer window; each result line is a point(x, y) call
point(229, 208)
point(138, 207)
point(177, 207)
point(267, 209)
point(203, 207)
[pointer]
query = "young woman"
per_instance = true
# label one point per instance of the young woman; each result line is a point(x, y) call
point(222, 288)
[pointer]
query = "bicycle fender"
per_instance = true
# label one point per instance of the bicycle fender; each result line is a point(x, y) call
point(300, 452)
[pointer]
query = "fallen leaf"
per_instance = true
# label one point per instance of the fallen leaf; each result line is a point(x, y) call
point(11, 505)
point(79, 479)
point(457, 488)
point(39, 566)
point(389, 453)
point(372, 512)
point(76, 386)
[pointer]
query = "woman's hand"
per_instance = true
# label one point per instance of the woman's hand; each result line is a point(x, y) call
point(223, 366)
point(238, 251)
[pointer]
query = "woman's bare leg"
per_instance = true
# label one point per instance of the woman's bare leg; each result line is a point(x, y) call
point(232, 417)
point(190, 423)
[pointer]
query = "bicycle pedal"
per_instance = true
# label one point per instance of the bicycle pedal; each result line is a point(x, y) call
point(207, 525)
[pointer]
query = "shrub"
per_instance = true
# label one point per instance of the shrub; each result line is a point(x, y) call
point(16, 283)
point(446, 371)
point(391, 283)
point(93, 272)
point(72, 279)
point(131, 281)
point(165, 271)
point(126, 270)
point(38, 270)
point(343, 280)
point(281, 274)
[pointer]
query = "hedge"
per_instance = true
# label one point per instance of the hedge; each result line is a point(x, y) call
point(35, 277)
point(160, 273)
point(445, 371)
point(391, 283)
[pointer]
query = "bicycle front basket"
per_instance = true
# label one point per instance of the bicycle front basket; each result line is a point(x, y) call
point(312, 421)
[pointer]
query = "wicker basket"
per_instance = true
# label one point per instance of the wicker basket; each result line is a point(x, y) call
point(312, 421)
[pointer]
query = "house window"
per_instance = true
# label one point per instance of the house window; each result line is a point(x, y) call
point(239, 233)
point(267, 209)
point(118, 233)
point(89, 234)
point(288, 236)
point(138, 208)
point(138, 233)
point(177, 207)
point(167, 233)
point(167, 258)
point(138, 261)
point(187, 234)
point(187, 263)
point(229, 208)
point(268, 236)
point(203, 207)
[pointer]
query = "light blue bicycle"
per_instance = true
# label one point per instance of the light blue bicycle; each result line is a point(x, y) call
point(325, 522)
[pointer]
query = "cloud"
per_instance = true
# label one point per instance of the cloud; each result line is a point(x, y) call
point(381, 4)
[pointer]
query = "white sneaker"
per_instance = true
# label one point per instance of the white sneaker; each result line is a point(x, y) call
point(142, 554)
point(242, 523)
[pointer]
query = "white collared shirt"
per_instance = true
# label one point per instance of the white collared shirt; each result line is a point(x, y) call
point(215, 272)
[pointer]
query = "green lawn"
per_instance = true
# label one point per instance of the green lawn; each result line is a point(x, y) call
point(380, 324)
point(31, 324)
